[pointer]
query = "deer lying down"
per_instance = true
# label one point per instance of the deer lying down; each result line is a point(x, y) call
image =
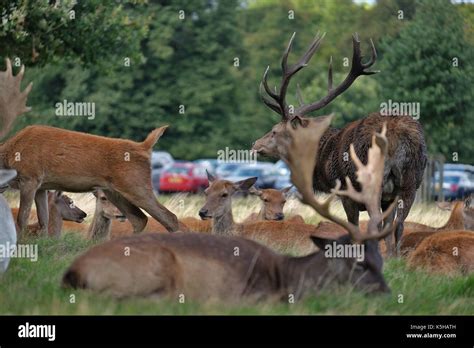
point(61, 208)
point(273, 202)
point(211, 267)
point(447, 252)
point(59, 159)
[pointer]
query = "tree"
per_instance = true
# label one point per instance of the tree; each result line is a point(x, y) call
point(430, 63)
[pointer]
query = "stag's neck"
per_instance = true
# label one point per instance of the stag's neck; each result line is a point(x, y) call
point(100, 226)
point(55, 221)
point(224, 224)
point(455, 221)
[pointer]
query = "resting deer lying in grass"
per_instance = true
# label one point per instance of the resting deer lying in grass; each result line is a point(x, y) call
point(406, 155)
point(210, 267)
point(273, 202)
point(48, 158)
point(61, 208)
point(446, 252)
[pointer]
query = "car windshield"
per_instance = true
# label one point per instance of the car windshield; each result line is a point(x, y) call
point(178, 170)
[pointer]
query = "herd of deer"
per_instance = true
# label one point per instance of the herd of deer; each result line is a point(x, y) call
point(226, 260)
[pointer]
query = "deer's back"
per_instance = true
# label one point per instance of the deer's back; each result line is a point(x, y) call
point(445, 252)
point(62, 155)
point(404, 164)
point(195, 265)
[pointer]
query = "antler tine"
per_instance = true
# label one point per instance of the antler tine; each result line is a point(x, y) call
point(279, 105)
point(302, 154)
point(357, 69)
point(12, 99)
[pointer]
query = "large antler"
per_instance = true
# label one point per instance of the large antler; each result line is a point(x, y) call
point(275, 99)
point(302, 154)
point(12, 99)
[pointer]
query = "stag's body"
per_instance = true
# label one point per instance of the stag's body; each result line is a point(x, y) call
point(172, 266)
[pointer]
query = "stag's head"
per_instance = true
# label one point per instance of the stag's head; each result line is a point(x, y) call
point(273, 202)
point(363, 271)
point(219, 196)
point(273, 143)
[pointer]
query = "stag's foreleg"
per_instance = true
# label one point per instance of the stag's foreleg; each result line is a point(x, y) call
point(41, 202)
point(390, 247)
point(131, 211)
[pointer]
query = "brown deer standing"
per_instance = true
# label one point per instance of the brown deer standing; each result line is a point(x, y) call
point(273, 202)
point(447, 252)
point(48, 158)
point(209, 267)
point(61, 208)
point(406, 154)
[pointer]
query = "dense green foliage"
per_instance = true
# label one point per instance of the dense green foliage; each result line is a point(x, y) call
point(197, 65)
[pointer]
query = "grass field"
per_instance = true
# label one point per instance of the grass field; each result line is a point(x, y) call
point(33, 287)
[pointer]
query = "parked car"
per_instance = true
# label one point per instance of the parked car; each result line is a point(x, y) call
point(183, 177)
point(210, 164)
point(159, 161)
point(265, 173)
point(456, 184)
point(224, 170)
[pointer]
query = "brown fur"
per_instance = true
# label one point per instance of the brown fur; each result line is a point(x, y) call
point(448, 252)
point(204, 267)
point(58, 159)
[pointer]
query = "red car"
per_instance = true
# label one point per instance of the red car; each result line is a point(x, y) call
point(183, 177)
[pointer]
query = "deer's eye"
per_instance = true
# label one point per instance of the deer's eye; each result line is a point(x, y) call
point(224, 195)
point(266, 200)
point(273, 133)
point(103, 199)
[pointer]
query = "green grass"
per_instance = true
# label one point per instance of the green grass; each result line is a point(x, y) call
point(33, 288)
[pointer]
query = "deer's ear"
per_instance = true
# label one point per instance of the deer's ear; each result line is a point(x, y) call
point(321, 242)
point(95, 193)
point(58, 193)
point(244, 185)
point(254, 191)
point(210, 177)
point(286, 189)
point(445, 205)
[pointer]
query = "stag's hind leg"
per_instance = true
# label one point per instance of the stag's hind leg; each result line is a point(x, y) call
point(131, 211)
point(403, 209)
point(389, 245)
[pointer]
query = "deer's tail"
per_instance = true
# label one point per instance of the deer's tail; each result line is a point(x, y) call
point(153, 137)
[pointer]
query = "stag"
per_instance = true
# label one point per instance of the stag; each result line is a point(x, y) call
point(48, 158)
point(406, 153)
point(206, 267)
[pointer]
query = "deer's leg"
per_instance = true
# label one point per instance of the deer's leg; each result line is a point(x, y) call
point(132, 212)
point(41, 202)
point(27, 195)
point(351, 209)
point(407, 198)
point(143, 197)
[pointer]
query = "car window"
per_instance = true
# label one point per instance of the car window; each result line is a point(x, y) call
point(249, 172)
point(452, 179)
